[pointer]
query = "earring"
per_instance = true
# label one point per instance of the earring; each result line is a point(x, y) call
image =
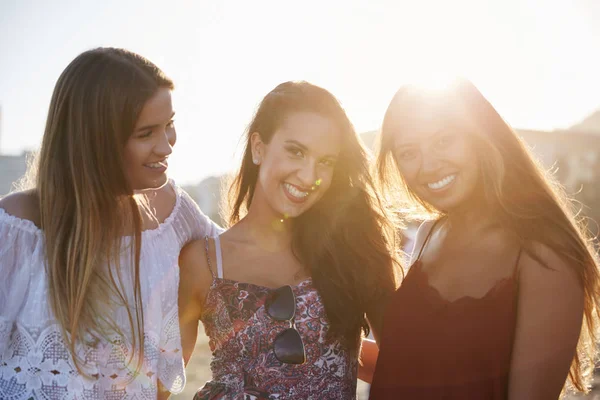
point(255, 161)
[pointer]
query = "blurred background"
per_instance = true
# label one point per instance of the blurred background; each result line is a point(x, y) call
point(537, 61)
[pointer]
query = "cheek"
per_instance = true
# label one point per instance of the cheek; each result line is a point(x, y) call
point(325, 175)
point(135, 154)
point(409, 171)
point(463, 152)
point(275, 167)
point(270, 174)
point(467, 156)
point(128, 157)
point(172, 137)
point(474, 169)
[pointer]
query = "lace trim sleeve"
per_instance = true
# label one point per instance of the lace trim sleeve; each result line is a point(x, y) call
point(198, 223)
point(20, 258)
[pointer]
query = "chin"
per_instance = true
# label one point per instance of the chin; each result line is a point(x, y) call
point(289, 213)
point(152, 184)
point(162, 182)
point(450, 204)
point(292, 212)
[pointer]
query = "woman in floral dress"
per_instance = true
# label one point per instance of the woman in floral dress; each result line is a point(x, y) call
point(286, 293)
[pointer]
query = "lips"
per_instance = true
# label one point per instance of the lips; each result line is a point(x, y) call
point(295, 193)
point(158, 166)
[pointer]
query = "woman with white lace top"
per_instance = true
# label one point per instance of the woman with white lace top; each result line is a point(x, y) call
point(88, 258)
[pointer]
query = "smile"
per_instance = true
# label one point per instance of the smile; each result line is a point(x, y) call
point(295, 192)
point(157, 165)
point(442, 183)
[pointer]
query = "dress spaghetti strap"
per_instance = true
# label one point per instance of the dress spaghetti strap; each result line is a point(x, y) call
point(516, 268)
point(219, 257)
point(206, 251)
point(427, 239)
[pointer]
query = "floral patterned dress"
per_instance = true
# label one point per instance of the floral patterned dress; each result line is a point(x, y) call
point(241, 340)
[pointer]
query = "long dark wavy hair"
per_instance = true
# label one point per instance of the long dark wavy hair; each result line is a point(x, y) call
point(526, 199)
point(345, 239)
point(84, 195)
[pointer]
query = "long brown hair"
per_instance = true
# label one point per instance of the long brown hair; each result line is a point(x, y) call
point(345, 239)
point(84, 196)
point(525, 198)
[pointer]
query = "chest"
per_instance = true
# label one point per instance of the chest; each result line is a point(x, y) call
point(263, 268)
point(468, 270)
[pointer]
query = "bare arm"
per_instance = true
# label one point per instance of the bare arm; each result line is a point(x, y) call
point(375, 316)
point(194, 282)
point(549, 319)
point(368, 357)
point(370, 349)
point(192, 261)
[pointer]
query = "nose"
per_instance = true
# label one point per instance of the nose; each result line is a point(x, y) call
point(308, 174)
point(430, 163)
point(165, 144)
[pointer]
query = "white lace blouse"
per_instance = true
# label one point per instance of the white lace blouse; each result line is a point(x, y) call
point(34, 361)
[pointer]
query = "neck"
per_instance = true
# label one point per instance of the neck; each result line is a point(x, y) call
point(471, 215)
point(269, 230)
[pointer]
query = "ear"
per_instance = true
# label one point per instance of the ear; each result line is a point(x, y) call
point(257, 147)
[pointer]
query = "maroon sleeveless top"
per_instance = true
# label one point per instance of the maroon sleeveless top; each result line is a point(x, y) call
point(432, 348)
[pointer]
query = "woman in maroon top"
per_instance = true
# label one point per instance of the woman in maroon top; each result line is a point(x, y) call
point(504, 276)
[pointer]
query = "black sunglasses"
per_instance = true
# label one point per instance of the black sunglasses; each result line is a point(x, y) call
point(287, 346)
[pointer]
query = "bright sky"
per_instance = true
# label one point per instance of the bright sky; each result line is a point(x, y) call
point(536, 60)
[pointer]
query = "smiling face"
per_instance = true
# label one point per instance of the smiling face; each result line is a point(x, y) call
point(438, 161)
point(296, 167)
point(148, 148)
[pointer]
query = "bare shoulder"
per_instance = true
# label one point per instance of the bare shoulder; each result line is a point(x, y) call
point(22, 205)
point(542, 266)
point(195, 271)
point(193, 255)
point(542, 255)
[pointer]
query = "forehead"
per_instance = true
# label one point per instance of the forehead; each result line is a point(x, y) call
point(420, 122)
point(317, 132)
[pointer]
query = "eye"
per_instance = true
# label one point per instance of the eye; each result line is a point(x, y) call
point(407, 154)
point(295, 151)
point(145, 134)
point(328, 163)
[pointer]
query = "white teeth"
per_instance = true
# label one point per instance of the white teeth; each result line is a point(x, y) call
point(441, 183)
point(155, 165)
point(294, 192)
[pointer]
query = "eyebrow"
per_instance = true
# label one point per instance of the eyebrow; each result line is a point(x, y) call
point(303, 147)
point(147, 127)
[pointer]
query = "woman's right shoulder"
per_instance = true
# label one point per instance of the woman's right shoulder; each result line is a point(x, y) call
point(21, 248)
point(193, 252)
point(195, 272)
point(22, 205)
point(194, 259)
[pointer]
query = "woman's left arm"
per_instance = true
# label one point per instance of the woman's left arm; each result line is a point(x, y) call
point(375, 318)
point(370, 350)
point(549, 320)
